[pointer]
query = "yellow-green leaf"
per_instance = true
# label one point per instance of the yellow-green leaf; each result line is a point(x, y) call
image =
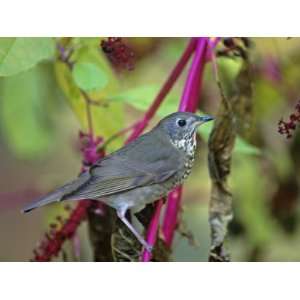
point(142, 97)
point(20, 54)
point(107, 117)
point(23, 113)
point(89, 76)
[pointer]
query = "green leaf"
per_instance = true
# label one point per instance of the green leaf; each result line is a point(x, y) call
point(89, 76)
point(24, 113)
point(20, 54)
point(142, 97)
point(241, 146)
point(107, 118)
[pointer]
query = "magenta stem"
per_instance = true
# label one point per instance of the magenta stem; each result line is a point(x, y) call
point(211, 47)
point(153, 227)
point(192, 88)
point(170, 218)
point(189, 102)
point(152, 230)
point(164, 90)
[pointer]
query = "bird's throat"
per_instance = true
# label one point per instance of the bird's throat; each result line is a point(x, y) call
point(187, 144)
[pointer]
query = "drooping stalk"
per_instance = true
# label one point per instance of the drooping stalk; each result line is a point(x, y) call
point(53, 241)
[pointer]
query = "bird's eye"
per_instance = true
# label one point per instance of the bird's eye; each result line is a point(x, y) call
point(181, 122)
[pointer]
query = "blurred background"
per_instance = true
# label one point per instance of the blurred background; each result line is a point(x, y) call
point(39, 140)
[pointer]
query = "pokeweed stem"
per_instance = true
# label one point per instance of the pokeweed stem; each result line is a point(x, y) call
point(189, 102)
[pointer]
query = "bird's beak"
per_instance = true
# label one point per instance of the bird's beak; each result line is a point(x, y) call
point(206, 118)
point(203, 119)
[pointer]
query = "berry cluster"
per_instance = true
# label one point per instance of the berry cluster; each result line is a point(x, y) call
point(89, 148)
point(118, 53)
point(286, 128)
point(50, 246)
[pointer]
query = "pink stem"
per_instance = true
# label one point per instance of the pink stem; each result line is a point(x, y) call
point(212, 45)
point(153, 227)
point(189, 102)
point(152, 230)
point(164, 90)
point(170, 217)
point(192, 88)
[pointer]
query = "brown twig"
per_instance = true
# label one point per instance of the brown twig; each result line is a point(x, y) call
point(221, 143)
point(218, 81)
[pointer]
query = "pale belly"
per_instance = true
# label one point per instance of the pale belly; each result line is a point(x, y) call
point(139, 197)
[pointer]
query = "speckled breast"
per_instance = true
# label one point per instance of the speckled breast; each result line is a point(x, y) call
point(188, 145)
point(148, 194)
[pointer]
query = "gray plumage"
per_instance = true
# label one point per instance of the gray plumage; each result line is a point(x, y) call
point(140, 172)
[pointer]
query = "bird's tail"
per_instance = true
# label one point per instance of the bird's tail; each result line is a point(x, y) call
point(59, 194)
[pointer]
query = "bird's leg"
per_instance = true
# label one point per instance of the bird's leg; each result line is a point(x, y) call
point(121, 214)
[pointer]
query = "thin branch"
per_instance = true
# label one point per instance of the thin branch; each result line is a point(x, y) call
point(88, 113)
point(218, 81)
point(65, 57)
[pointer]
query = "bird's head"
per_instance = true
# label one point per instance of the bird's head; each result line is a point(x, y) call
point(182, 125)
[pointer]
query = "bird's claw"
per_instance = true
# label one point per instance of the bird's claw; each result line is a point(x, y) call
point(149, 248)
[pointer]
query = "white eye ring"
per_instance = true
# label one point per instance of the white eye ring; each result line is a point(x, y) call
point(181, 122)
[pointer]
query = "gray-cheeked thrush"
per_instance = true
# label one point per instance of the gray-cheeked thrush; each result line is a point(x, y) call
point(139, 173)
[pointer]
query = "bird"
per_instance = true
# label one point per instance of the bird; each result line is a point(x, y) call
point(140, 172)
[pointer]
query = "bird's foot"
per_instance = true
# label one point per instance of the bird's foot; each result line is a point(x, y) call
point(148, 247)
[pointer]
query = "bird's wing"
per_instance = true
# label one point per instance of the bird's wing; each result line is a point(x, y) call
point(130, 168)
point(59, 193)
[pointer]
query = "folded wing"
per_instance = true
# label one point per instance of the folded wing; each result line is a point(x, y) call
point(130, 168)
